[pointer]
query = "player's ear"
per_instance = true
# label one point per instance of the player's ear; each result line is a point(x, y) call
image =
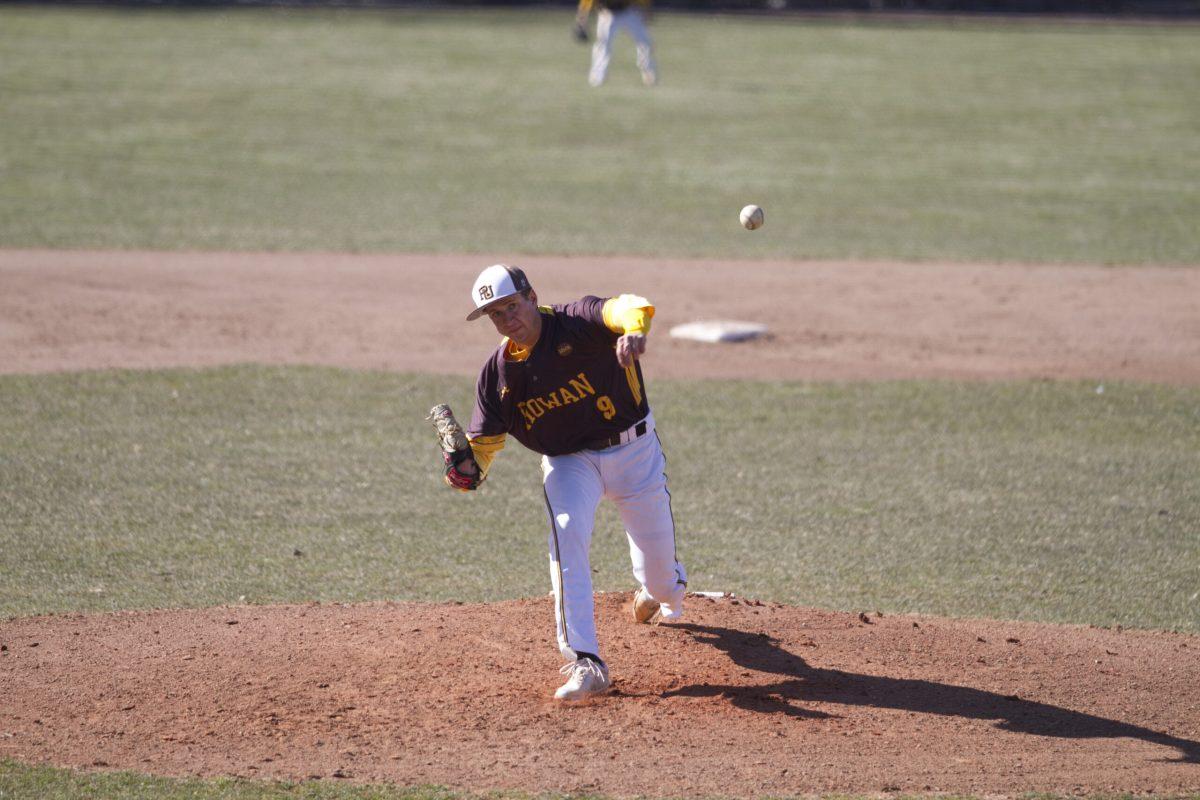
point(532, 296)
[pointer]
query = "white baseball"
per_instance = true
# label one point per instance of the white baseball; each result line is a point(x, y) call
point(751, 217)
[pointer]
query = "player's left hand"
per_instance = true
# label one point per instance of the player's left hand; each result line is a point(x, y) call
point(459, 468)
point(630, 347)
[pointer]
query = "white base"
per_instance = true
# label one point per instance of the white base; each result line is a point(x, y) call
point(719, 331)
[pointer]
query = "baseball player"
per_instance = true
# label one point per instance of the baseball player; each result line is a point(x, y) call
point(613, 16)
point(566, 382)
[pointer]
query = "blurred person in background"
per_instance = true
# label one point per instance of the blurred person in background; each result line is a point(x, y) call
point(611, 17)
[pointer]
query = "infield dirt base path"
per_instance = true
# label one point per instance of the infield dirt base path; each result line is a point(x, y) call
point(742, 700)
point(828, 320)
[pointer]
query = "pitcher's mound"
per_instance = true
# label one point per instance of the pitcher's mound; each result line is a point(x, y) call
point(743, 699)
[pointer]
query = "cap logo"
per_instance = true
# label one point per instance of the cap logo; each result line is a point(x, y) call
point(564, 349)
point(485, 292)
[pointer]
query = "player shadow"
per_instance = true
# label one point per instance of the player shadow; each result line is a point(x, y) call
point(759, 652)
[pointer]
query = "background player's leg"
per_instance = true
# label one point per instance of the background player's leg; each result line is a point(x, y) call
point(645, 48)
point(602, 49)
point(635, 479)
point(573, 490)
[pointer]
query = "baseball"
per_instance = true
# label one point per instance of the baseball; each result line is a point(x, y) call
point(752, 217)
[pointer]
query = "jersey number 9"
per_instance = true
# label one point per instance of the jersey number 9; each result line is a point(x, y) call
point(605, 404)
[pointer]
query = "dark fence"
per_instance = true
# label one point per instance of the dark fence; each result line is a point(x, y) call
point(1098, 8)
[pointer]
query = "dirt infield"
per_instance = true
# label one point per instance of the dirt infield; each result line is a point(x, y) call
point(743, 699)
point(829, 320)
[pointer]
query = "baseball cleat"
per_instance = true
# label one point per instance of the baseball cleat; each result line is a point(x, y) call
point(644, 606)
point(585, 678)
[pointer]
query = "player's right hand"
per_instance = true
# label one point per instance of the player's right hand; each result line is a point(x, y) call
point(629, 348)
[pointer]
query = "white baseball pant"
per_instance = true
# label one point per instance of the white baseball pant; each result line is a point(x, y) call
point(608, 23)
point(633, 476)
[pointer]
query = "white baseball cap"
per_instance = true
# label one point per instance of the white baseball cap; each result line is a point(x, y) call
point(496, 283)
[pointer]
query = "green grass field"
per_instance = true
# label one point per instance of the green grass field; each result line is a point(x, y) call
point(1031, 500)
point(474, 131)
point(18, 781)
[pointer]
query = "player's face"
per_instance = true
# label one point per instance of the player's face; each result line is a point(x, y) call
point(517, 317)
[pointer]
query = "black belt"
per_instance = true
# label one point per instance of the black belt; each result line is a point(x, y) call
point(615, 439)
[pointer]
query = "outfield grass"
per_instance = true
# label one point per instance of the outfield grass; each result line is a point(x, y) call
point(475, 131)
point(1031, 500)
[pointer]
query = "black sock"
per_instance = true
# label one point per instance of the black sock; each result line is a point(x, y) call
point(589, 657)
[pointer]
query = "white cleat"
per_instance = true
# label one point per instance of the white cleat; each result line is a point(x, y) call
point(585, 678)
point(644, 606)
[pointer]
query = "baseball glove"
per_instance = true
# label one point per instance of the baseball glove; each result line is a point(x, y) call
point(460, 470)
point(580, 32)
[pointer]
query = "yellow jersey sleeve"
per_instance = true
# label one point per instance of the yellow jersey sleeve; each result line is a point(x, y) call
point(628, 313)
point(485, 449)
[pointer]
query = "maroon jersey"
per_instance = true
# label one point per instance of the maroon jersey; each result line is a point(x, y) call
point(570, 394)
